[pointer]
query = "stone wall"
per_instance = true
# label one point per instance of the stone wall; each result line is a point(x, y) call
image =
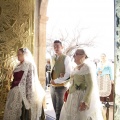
point(117, 61)
point(16, 30)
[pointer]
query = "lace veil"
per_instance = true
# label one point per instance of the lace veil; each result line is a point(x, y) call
point(37, 91)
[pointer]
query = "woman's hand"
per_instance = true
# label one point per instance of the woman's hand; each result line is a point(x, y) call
point(83, 106)
point(99, 72)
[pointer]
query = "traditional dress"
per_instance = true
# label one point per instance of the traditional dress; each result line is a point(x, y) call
point(104, 81)
point(83, 89)
point(24, 101)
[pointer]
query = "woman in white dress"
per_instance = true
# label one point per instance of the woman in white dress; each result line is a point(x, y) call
point(24, 101)
point(83, 102)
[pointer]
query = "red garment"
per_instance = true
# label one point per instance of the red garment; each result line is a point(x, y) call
point(66, 95)
point(17, 78)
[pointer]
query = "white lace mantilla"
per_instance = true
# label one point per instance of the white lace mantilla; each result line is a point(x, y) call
point(82, 71)
point(13, 105)
point(29, 91)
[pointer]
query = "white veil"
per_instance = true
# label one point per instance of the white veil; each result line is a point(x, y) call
point(38, 91)
point(28, 56)
point(95, 97)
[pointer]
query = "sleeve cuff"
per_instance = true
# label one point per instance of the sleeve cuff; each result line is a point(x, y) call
point(57, 81)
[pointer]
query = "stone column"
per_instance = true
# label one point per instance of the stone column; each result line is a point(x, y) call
point(40, 20)
point(42, 49)
point(117, 61)
point(36, 30)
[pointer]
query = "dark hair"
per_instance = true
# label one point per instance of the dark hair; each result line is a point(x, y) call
point(58, 41)
point(83, 51)
point(21, 49)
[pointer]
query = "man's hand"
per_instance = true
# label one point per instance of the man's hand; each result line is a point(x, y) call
point(82, 106)
point(52, 82)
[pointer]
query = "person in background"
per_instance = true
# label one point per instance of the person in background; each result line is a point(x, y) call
point(48, 72)
point(96, 61)
point(60, 64)
point(24, 101)
point(105, 79)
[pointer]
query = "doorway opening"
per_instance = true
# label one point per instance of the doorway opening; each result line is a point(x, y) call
point(87, 24)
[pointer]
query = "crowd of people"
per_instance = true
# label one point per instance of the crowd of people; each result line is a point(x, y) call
point(76, 93)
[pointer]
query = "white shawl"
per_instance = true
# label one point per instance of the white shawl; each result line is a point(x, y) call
point(29, 91)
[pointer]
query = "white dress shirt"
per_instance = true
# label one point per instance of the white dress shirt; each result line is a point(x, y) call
point(68, 69)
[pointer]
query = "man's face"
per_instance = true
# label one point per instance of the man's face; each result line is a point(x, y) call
point(58, 48)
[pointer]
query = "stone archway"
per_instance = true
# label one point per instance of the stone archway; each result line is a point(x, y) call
point(40, 43)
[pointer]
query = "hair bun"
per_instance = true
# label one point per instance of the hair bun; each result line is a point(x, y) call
point(24, 50)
